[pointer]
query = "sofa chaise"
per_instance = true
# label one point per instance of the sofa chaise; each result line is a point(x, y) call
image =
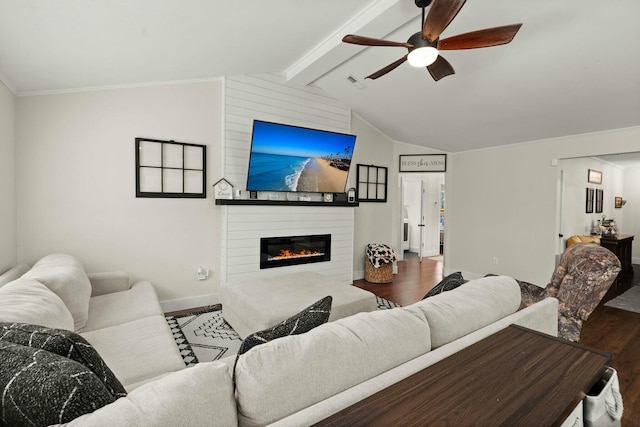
point(292, 381)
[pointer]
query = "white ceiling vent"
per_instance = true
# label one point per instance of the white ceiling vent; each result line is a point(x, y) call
point(355, 82)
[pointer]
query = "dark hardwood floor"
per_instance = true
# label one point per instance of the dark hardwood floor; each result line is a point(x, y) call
point(608, 329)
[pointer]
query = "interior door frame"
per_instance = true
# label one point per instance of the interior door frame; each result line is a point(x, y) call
point(430, 205)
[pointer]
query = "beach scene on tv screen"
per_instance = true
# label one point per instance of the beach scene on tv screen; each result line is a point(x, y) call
point(289, 158)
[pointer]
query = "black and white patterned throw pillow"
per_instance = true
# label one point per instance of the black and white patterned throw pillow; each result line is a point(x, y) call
point(64, 343)
point(314, 315)
point(40, 388)
point(450, 282)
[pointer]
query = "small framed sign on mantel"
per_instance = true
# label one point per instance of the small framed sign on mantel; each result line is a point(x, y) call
point(423, 163)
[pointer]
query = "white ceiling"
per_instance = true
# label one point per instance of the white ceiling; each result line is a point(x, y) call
point(573, 68)
point(622, 160)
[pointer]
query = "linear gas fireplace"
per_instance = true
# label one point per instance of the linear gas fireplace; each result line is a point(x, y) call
point(292, 250)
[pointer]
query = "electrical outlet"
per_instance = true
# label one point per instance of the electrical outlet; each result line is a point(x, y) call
point(202, 273)
point(495, 260)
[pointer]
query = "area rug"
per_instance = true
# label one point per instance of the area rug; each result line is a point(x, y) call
point(629, 300)
point(205, 336)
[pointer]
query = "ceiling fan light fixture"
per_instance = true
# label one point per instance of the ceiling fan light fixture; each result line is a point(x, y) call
point(422, 56)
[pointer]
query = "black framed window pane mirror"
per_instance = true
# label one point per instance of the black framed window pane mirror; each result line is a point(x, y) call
point(372, 183)
point(193, 178)
point(150, 180)
point(170, 169)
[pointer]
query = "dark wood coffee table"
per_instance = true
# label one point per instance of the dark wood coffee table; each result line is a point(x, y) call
point(515, 377)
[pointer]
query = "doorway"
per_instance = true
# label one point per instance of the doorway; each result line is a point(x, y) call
point(422, 215)
point(578, 214)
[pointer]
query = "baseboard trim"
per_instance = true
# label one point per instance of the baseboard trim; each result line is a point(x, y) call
point(186, 303)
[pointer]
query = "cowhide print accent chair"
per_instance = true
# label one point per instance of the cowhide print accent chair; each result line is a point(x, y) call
point(579, 282)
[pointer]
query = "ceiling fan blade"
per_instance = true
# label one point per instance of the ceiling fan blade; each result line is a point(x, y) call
point(481, 38)
point(440, 68)
point(381, 72)
point(369, 41)
point(439, 17)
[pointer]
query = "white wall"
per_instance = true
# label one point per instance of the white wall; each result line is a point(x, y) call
point(574, 218)
point(374, 221)
point(630, 212)
point(503, 203)
point(76, 182)
point(7, 179)
point(75, 189)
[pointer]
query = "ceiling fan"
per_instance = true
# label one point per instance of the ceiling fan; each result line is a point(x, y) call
point(424, 46)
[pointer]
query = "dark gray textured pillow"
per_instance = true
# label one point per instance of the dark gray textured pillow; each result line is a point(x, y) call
point(314, 315)
point(64, 343)
point(450, 282)
point(42, 388)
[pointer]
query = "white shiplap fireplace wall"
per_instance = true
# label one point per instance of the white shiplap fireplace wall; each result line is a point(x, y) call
point(269, 98)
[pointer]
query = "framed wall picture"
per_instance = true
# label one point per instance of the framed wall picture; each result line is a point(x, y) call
point(423, 163)
point(594, 176)
point(618, 202)
point(599, 200)
point(372, 183)
point(589, 205)
point(170, 169)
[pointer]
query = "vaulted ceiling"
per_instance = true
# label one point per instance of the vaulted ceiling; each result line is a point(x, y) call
point(573, 68)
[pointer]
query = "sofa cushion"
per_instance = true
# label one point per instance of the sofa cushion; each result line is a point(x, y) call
point(137, 350)
point(43, 388)
point(450, 282)
point(124, 306)
point(13, 274)
point(29, 301)
point(467, 308)
point(65, 343)
point(65, 276)
point(280, 377)
point(199, 396)
point(314, 315)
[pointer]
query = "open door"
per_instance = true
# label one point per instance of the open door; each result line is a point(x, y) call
point(421, 223)
point(422, 195)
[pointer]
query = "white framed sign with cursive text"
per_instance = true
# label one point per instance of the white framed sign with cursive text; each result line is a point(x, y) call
point(423, 162)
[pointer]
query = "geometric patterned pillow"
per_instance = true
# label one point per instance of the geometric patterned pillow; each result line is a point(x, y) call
point(64, 343)
point(42, 388)
point(450, 282)
point(314, 315)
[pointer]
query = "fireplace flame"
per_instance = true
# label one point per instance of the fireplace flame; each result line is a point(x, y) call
point(286, 253)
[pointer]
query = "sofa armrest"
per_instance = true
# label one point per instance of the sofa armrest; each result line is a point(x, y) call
point(109, 282)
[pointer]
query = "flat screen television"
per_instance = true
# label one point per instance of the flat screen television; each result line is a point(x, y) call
point(299, 159)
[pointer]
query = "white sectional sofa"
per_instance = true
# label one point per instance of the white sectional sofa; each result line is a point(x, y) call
point(291, 381)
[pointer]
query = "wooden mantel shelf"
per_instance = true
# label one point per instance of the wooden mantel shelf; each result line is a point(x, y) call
point(250, 202)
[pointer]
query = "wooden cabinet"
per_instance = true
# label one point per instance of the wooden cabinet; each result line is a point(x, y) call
point(621, 246)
